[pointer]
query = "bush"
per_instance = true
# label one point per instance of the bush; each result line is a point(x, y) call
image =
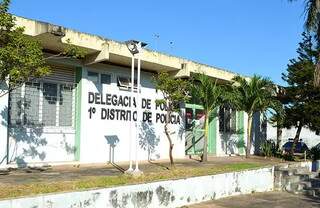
point(314, 153)
point(268, 148)
point(288, 157)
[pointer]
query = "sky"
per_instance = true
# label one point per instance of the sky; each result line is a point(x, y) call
point(248, 36)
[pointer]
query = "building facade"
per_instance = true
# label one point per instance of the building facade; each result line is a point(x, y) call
point(82, 111)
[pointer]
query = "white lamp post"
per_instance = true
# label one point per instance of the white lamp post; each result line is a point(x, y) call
point(135, 48)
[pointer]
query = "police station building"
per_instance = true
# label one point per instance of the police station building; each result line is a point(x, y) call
point(82, 111)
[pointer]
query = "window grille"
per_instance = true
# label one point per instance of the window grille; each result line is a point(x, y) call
point(93, 77)
point(43, 104)
point(227, 120)
point(105, 79)
point(125, 82)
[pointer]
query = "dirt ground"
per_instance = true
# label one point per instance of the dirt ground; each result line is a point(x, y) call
point(76, 172)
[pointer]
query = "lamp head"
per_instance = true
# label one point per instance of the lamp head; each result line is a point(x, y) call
point(134, 46)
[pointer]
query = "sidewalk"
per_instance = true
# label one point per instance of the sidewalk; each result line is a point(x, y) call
point(262, 200)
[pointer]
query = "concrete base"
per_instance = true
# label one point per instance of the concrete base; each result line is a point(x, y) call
point(172, 193)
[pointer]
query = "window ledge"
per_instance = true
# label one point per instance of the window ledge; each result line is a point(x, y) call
point(47, 129)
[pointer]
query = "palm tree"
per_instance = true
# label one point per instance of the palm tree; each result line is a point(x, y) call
point(312, 24)
point(251, 96)
point(210, 96)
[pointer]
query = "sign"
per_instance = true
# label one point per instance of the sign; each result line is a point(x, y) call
point(118, 107)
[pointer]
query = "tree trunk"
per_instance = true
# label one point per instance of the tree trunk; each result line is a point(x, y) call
point(249, 129)
point(205, 142)
point(166, 130)
point(279, 135)
point(316, 81)
point(296, 138)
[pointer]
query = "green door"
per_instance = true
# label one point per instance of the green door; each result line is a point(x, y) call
point(195, 131)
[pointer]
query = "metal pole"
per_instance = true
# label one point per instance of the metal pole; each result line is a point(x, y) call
point(138, 109)
point(131, 119)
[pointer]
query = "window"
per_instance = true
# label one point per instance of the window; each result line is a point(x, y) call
point(93, 77)
point(49, 104)
point(31, 104)
point(65, 104)
point(42, 104)
point(125, 82)
point(227, 120)
point(105, 79)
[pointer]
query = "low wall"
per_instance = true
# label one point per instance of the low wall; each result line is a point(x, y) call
point(172, 193)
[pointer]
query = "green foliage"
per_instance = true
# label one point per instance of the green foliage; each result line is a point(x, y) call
point(268, 148)
point(175, 91)
point(302, 99)
point(72, 51)
point(210, 95)
point(288, 157)
point(312, 25)
point(314, 153)
point(208, 92)
point(312, 14)
point(255, 95)
point(21, 58)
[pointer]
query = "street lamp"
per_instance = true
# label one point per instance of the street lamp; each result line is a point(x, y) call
point(135, 47)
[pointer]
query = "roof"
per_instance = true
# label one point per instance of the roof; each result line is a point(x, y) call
point(99, 49)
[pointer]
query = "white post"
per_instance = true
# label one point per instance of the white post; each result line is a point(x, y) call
point(137, 171)
point(131, 120)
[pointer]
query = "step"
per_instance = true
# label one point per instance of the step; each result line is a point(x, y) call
point(291, 166)
point(307, 192)
point(295, 178)
point(315, 182)
point(291, 171)
point(314, 191)
point(310, 175)
point(298, 186)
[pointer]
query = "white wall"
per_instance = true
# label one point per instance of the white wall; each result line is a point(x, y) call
point(307, 136)
point(33, 145)
point(97, 133)
point(172, 193)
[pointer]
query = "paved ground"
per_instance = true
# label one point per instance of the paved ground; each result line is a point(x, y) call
point(72, 172)
point(263, 200)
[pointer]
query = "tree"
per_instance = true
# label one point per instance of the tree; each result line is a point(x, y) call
point(254, 95)
point(312, 24)
point(277, 121)
point(174, 91)
point(21, 57)
point(210, 96)
point(301, 98)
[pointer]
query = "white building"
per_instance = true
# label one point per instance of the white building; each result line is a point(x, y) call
point(81, 112)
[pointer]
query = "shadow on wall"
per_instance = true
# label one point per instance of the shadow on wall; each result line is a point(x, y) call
point(70, 149)
point(30, 138)
point(231, 142)
point(148, 140)
point(112, 141)
point(259, 132)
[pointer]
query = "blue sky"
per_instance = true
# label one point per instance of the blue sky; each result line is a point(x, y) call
point(247, 36)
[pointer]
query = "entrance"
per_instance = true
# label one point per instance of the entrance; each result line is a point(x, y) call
point(195, 121)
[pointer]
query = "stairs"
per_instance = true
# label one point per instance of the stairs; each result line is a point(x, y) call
point(297, 180)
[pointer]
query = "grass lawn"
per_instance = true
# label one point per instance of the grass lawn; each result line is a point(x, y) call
point(18, 190)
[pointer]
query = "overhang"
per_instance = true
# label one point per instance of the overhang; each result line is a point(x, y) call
point(100, 50)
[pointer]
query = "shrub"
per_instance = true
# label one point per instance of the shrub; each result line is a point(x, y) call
point(288, 157)
point(314, 153)
point(268, 148)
